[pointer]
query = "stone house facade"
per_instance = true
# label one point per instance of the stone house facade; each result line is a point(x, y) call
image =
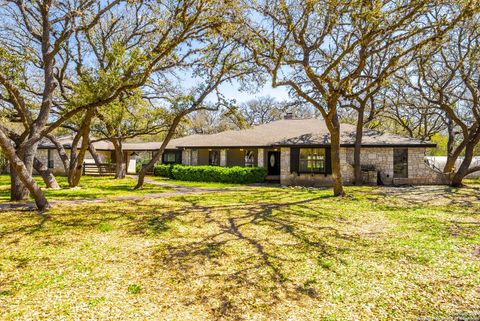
point(297, 152)
point(294, 151)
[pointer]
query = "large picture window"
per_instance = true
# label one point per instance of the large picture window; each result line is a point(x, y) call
point(214, 158)
point(249, 158)
point(312, 160)
point(169, 158)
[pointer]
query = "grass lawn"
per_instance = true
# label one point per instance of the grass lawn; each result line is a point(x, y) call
point(192, 184)
point(90, 187)
point(247, 254)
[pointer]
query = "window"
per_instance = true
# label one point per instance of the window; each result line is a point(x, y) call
point(400, 162)
point(169, 158)
point(214, 158)
point(312, 160)
point(249, 158)
point(50, 158)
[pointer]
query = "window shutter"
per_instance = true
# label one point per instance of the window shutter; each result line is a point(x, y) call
point(294, 159)
point(328, 160)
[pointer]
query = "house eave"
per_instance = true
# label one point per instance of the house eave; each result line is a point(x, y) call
point(310, 145)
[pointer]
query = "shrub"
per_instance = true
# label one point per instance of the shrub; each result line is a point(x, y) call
point(236, 174)
point(163, 170)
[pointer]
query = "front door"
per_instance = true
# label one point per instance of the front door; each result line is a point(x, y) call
point(273, 161)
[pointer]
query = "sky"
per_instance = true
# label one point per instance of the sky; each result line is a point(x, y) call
point(233, 91)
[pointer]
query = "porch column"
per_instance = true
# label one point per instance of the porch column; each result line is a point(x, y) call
point(223, 157)
point(260, 161)
point(132, 163)
point(284, 163)
point(194, 157)
point(186, 157)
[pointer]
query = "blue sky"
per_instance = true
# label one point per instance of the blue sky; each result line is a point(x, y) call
point(232, 91)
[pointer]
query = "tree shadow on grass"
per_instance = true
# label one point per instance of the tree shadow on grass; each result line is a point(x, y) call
point(418, 197)
point(259, 262)
point(223, 252)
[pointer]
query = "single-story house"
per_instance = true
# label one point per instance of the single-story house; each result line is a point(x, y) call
point(294, 151)
point(297, 152)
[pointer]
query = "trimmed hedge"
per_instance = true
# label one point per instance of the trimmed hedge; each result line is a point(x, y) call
point(236, 174)
point(163, 170)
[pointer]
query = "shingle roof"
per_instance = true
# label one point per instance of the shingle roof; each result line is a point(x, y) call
point(292, 132)
point(287, 132)
point(66, 141)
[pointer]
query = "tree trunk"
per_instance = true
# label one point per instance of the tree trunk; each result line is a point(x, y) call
point(334, 128)
point(120, 168)
point(452, 152)
point(463, 170)
point(18, 190)
point(95, 156)
point(357, 164)
point(159, 153)
point(76, 160)
point(46, 174)
point(21, 173)
point(78, 169)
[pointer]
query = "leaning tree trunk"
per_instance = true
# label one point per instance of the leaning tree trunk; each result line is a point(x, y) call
point(334, 128)
point(46, 174)
point(159, 153)
point(21, 172)
point(463, 170)
point(452, 152)
point(96, 157)
point(61, 153)
point(18, 190)
point(357, 164)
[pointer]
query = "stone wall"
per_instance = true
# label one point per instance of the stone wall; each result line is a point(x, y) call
point(223, 157)
point(194, 157)
point(419, 173)
point(380, 157)
point(260, 157)
point(187, 157)
point(42, 155)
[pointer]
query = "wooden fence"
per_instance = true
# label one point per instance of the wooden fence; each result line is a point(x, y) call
point(100, 170)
